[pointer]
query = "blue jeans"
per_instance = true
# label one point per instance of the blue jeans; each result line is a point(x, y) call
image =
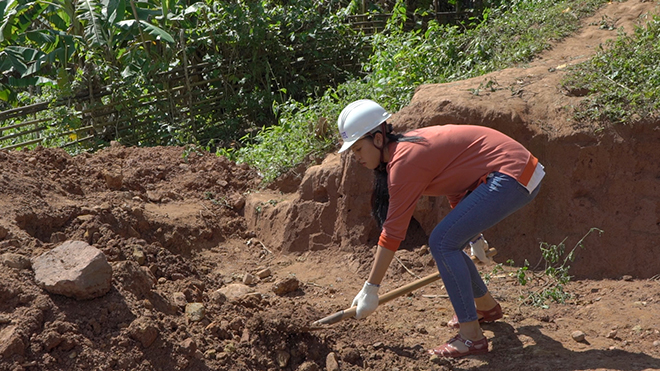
point(486, 206)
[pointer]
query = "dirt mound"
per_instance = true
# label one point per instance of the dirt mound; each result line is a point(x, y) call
point(212, 272)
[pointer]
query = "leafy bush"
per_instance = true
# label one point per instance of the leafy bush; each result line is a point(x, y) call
point(261, 52)
point(622, 81)
point(402, 60)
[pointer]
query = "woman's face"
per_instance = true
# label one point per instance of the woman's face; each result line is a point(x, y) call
point(366, 153)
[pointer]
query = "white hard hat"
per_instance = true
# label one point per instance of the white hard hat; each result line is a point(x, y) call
point(359, 118)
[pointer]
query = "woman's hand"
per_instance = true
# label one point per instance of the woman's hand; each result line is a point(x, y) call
point(366, 300)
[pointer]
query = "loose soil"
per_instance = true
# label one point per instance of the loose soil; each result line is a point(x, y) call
point(204, 223)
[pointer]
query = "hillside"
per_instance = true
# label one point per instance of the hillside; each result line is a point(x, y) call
point(181, 227)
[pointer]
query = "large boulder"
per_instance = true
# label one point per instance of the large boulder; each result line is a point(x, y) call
point(74, 269)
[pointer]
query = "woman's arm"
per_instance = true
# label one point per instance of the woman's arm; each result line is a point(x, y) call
point(382, 261)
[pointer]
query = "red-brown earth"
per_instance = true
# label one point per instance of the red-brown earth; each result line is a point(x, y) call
point(204, 223)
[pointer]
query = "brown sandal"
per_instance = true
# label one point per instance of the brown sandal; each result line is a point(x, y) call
point(449, 351)
point(485, 316)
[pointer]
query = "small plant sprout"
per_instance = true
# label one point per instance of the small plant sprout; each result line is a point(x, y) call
point(548, 284)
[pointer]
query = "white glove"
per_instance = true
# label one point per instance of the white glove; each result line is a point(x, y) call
point(366, 300)
point(478, 248)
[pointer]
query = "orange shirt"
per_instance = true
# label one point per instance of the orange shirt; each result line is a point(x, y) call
point(450, 161)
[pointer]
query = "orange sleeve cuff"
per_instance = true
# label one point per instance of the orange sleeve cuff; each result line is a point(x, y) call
point(389, 243)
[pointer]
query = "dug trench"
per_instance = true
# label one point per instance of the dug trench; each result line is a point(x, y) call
point(181, 227)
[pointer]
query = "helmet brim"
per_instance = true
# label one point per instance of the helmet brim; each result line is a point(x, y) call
point(347, 145)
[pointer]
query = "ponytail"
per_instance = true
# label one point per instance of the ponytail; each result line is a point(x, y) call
point(380, 198)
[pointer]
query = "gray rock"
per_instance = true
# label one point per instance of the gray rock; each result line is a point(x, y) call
point(74, 269)
point(195, 312)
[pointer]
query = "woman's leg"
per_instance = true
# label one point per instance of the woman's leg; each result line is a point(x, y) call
point(487, 205)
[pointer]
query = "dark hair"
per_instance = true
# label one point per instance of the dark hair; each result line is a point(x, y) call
point(380, 198)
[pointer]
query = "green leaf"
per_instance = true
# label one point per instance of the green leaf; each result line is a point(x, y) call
point(156, 31)
point(116, 10)
point(91, 11)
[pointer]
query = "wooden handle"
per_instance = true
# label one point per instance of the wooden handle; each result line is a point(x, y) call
point(350, 312)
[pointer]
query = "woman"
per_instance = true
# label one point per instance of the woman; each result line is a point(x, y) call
point(485, 175)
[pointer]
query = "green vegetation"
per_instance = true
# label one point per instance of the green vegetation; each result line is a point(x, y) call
point(276, 71)
point(131, 54)
point(401, 60)
point(622, 81)
point(548, 284)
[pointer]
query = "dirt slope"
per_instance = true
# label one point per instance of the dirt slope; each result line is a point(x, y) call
point(203, 225)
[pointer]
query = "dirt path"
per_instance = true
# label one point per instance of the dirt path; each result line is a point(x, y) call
point(186, 212)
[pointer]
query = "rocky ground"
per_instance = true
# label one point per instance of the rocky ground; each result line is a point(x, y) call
point(198, 283)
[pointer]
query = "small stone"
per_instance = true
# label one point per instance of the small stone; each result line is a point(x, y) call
point(138, 255)
point(627, 277)
point(351, 355)
point(245, 337)
point(162, 280)
point(612, 334)
point(218, 297)
point(578, 336)
point(656, 343)
point(188, 346)
point(286, 286)
point(195, 312)
point(282, 358)
point(637, 329)
point(143, 330)
point(423, 250)
point(308, 366)
point(235, 291)
point(210, 354)
point(249, 279)
point(331, 363)
point(11, 342)
point(179, 299)
point(263, 273)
